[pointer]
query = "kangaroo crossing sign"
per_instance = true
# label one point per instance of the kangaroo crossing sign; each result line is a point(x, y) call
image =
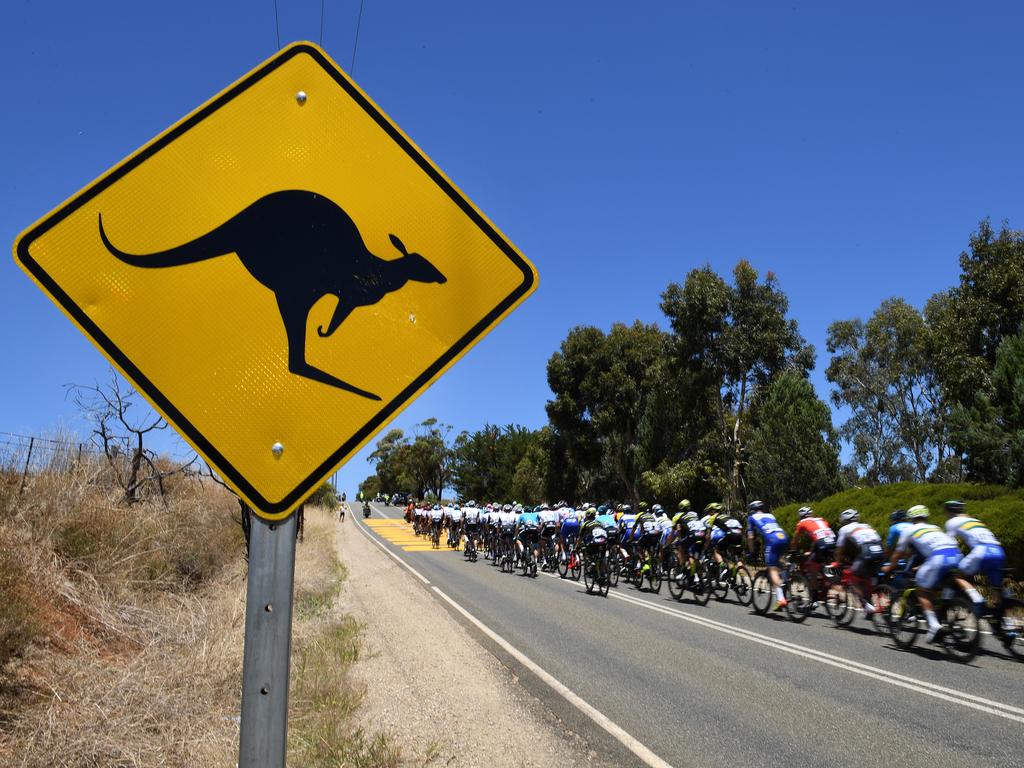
point(279, 273)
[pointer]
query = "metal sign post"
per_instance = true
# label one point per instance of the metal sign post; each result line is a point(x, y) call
point(268, 643)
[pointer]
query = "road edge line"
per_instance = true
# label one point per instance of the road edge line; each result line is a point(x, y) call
point(642, 752)
point(389, 553)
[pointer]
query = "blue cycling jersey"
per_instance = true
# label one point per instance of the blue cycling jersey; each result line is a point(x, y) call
point(607, 522)
point(767, 527)
point(893, 536)
point(529, 519)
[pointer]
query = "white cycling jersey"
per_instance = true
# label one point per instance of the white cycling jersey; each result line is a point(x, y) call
point(862, 534)
point(664, 523)
point(436, 514)
point(455, 515)
point(972, 532)
point(548, 517)
point(471, 515)
point(508, 519)
point(926, 539)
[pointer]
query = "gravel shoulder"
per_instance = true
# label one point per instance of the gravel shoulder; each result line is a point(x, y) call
point(431, 685)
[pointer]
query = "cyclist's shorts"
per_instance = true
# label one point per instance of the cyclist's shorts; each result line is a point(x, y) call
point(649, 540)
point(866, 565)
point(472, 528)
point(727, 540)
point(988, 560)
point(774, 549)
point(823, 552)
point(570, 530)
point(935, 568)
point(717, 534)
point(528, 535)
point(548, 530)
point(664, 536)
point(506, 530)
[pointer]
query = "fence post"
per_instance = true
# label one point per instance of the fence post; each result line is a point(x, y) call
point(24, 474)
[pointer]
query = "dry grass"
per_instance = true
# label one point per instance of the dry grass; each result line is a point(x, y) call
point(326, 645)
point(131, 653)
point(121, 631)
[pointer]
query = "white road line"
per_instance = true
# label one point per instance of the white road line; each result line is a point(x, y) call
point(389, 553)
point(616, 731)
point(892, 678)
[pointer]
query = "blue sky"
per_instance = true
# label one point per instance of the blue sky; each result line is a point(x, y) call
point(850, 149)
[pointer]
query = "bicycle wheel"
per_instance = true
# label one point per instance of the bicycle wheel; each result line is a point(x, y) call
point(799, 598)
point(676, 582)
point(963, 633)
point(1012, 627)
point(577, 568)
point(603, 581)
point(838, 605)
point(905, 620)
point(700, 584)
point(718, 580)
point(589, 576)
point(563, 565)
point(881, 599)
point(742, 584)
point(761, 592)
point(654, 577)
point(613, 569)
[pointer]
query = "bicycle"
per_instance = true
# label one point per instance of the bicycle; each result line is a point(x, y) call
point(960, 634)
point(469, 551)
point(649, 569)
point(731, 574)
point(595, 572)
point(841, 597)
point(1007, 623)
point(795, 588)
point(690, 575)
point(435, 537)
point(570, 566)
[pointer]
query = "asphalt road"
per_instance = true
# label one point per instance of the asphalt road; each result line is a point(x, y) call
point(717, 685)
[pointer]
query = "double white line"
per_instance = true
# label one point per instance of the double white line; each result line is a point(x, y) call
point(988, 706)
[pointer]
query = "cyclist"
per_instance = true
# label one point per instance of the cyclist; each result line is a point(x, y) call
point(526, 532)
point(507, 520)
point(761, 524)
point(687, 535)
point(568, 530)
point(455, 526)
point(646, 534)
point(985, 555)
point(820, 541)
point(939, 554)
point(593, 536)
point(665, 529)
point(626, 520)
point(860, 545)
point(549, 525)
point(436, 521)
point(897, 524)
point(606, 520)
point(471, 524)
point(723, 531)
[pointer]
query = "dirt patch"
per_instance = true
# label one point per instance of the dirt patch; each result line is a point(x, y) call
point(430, 685)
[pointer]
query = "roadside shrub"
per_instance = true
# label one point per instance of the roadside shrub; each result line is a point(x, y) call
point(1000, 508)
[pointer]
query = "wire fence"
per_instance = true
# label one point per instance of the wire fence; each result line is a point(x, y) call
point(31, 454)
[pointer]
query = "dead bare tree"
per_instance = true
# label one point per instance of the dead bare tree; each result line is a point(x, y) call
point(121, 434)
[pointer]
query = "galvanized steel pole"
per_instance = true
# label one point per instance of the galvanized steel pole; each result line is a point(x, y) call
point(268, 643)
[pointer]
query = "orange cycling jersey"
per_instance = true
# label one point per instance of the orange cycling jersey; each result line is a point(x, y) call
point(816, 530)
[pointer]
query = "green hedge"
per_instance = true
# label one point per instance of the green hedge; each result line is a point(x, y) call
point(1002, 509)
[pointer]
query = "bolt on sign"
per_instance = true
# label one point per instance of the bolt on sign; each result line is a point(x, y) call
point(279, 273)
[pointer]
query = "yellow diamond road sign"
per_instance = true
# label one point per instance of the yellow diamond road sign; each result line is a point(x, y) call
point(283, 267)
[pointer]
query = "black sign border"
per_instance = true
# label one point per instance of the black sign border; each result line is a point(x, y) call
point(303, 489)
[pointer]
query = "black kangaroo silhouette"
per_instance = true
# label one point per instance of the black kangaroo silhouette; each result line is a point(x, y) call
point(302, 246)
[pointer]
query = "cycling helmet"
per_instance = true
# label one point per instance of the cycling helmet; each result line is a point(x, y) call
point(804, 512)
point(626, 509)
point(602, 510)
point(507, 508)
point(917, 512)
point(644, 506)
point(849, 516)
point(899, 516)
point(713, 507)
point(591, 513)
point(657, 509)
point(755, 506)
point(953, 507)
point(684, 505)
